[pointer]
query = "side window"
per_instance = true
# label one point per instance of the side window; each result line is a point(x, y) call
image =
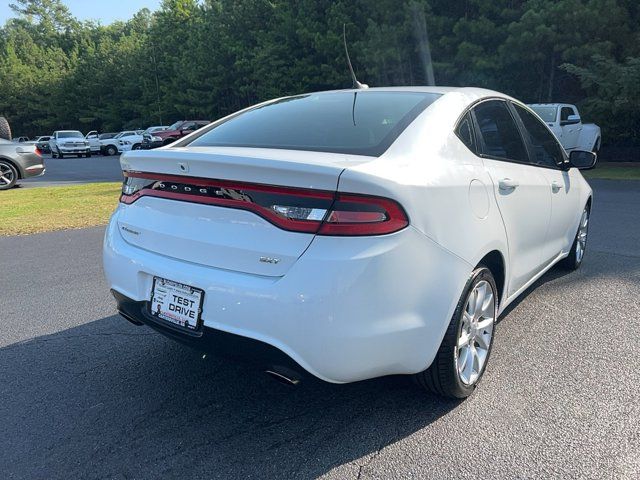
point(547, 152)
point(188, 126)
point(499, 133)
point(565, 112)
point(465, 133)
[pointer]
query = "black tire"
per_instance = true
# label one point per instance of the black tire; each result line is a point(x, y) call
point(7, 172)
point(573, 261)
point(60, 154)
point(136, 146)
point(88, 155)
point(111, 150)
point(442, 377)
point(5, 129)
point(54, 154)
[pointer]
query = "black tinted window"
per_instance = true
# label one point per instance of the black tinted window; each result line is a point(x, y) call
point(546, 150)
point(565, 112)
point(499, 133)
point(465, 133)
point(360, 123)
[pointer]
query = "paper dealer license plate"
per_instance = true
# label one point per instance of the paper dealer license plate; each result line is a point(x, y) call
point(176, 303)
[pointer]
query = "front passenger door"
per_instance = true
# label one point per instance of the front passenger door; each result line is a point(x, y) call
point(521, 191)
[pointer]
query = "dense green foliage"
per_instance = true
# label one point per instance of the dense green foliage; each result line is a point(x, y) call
point(207, 58)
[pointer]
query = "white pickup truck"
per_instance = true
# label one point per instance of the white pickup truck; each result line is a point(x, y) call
point(69, 142)
point(565, 122)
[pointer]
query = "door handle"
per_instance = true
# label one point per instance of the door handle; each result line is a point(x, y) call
point(555, 187)
point(507, 184)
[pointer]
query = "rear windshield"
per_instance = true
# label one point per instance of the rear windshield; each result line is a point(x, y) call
point(70, 135)
point(359, 123)
point(547, 114)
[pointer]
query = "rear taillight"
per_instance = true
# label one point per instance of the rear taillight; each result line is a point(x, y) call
point(294, 209)
point(38, 152)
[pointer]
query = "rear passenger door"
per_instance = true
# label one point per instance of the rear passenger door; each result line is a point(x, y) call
point(547, 154)
point(521, 190)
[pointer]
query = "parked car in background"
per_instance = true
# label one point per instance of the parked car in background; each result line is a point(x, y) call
point(310, 233)
point(69, 142)
point(42, 143)
point(172, 133)
point(20, 139)
point(94, 142)
point(134, 142)
point(18, 161)
point(111, 146)
point(565, 122)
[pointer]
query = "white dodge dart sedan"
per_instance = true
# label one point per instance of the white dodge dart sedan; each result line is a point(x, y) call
point(349, 234)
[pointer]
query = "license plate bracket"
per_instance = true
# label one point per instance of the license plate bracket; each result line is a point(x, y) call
point(177, 303)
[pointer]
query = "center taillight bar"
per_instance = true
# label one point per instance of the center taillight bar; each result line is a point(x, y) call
point(295, 209)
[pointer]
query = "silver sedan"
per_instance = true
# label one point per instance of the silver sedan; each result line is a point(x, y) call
point(18, 161)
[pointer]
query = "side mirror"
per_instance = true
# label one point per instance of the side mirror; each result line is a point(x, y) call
point(571, 120)
point(583, 160)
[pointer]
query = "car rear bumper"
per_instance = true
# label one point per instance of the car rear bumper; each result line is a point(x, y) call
point(209, 340)
point(349, 309)
point(34, 170)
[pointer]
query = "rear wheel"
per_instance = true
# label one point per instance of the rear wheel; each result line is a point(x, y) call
point(111, 150)
point(576, 254)
point(464, 352)
point(136, 146)
point(8, 175)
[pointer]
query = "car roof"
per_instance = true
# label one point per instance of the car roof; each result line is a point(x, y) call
point(550, 104)
point(472, 93)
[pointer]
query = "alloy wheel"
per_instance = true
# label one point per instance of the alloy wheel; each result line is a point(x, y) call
point(475, 332)
point(583, 229)
point(6, 174)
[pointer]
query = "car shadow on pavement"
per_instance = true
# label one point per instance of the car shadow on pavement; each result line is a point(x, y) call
point(110, 400)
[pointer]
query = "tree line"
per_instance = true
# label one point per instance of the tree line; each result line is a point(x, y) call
point(202, 59)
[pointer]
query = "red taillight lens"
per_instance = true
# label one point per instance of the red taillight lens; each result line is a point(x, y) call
point(294, 209)
point(353, 214)
point(38, 152)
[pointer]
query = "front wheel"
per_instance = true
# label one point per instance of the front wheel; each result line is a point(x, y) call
point(576, 254)
point(111, 150)
point(60, 154)
point(464, 352)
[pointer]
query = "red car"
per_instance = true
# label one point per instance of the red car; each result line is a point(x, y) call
point(173, 133)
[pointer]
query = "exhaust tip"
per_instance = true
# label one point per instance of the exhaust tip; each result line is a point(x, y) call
point(284, 376)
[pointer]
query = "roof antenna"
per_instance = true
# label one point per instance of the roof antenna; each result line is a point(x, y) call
point(356, 83)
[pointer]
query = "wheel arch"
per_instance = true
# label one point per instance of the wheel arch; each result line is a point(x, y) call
point(15, 165)
point(494, 261)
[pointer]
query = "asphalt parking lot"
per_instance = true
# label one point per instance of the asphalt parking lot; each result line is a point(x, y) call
point(69, 171)
point(85, 394)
